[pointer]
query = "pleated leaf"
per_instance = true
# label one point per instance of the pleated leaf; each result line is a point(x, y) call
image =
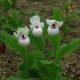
point(67, 49)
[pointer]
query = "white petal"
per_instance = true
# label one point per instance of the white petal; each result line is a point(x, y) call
point(59, 23)
point(25, 31)
point(20, 30)
point(35, 19)
point(41, 24)
point(50, 22)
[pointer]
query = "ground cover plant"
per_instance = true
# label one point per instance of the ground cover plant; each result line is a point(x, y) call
point(37, 63)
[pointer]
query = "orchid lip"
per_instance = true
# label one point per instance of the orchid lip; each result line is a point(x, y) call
point(36, 27)
point(53, 26)
point(23, 37)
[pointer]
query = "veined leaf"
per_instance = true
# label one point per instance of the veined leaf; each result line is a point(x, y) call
point(37, 54)
point(48, 70)
point(12, 43)
point(51, 53)
point(68, 48)
point(15, 23)
point(55, 41)
point(37, 42)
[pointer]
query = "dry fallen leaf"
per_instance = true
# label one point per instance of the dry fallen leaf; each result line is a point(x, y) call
point(72, 6)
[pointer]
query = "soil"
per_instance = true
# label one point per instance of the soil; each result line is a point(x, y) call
point(10, 61)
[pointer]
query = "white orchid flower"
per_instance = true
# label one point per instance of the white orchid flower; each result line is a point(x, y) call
point(22, 37)
point(54, 26)
point(24, 40)
point(21, 31)
point(36, 25)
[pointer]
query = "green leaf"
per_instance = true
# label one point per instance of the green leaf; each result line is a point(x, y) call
point(67, 49)
point(1, 17)
point(14, 1)
point(6, 26)
point(12, 43)
point(65, 29)
point(37, 54)
point(48, 70)
point(18, 78)
point(57, 15)
point(14, 22)
point(37, 42)
point(34, 73)
point(55, 41)
point(0, 3)
point(15, 78)
point(1, 39)
point(60, 77)
point(7, 4)
point(33, 57)
point(51, 53)
point(24, 74)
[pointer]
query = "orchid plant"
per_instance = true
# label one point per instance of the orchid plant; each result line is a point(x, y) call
point(36, 61)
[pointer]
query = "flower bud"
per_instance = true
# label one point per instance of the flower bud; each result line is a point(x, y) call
point(53, 30)
point(37, 31)
point(24, 40)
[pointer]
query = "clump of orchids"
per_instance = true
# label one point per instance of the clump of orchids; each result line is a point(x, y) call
point(37, 29)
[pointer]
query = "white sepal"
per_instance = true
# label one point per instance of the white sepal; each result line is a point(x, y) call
point(35, 19)
point(24, 30)
point(21, 31)
point(41, 24)
point(50, 22)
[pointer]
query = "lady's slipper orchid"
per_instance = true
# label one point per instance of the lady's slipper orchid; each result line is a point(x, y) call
point(22, 37)
point(54, 26)
point(36, 25)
